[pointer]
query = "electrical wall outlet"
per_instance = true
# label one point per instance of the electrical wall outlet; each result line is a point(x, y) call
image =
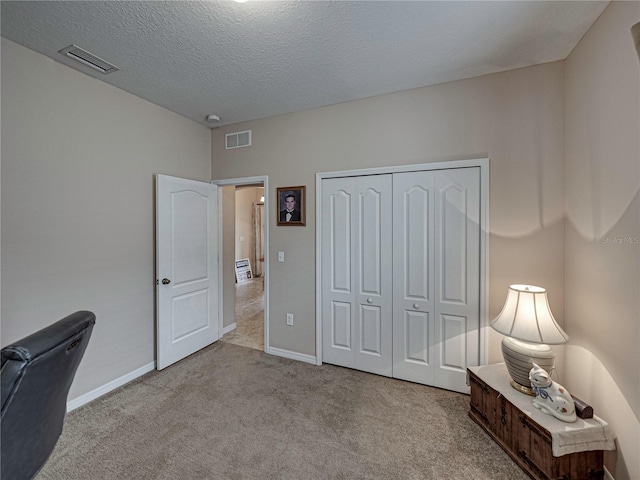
point(290, 319)
point(281, 256)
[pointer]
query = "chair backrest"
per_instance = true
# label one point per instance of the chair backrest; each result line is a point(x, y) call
point(36, 375)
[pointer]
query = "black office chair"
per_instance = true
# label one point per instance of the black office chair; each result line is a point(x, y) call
point(36, 375)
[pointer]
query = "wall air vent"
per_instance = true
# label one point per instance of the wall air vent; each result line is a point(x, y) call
point(89, 59)
point(237, 140)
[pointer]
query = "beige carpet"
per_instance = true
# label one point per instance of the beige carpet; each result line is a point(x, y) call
point(230, 412)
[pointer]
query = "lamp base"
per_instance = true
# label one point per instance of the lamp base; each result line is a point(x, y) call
point(520, 356)
point(522, 388)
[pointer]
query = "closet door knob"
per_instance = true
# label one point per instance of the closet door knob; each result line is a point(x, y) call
point(369, 300)
point(416, 306)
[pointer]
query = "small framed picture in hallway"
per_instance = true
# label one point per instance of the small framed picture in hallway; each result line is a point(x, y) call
point(291, 206)
point(243, 270)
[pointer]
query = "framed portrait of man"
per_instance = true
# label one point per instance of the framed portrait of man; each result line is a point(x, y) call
point(291, 206)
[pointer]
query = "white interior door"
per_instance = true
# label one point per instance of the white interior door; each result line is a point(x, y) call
point(186, 266)
point(357, 299)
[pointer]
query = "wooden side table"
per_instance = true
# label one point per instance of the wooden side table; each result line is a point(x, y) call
point(521, 435)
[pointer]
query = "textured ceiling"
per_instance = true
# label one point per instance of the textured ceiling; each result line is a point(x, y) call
point(244, 61)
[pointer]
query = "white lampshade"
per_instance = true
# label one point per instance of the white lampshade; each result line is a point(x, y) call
point(526, 316)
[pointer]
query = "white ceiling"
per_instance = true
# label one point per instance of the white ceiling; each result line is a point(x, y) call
point(244, 61)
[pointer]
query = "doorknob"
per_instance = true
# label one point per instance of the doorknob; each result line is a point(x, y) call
point(166, 281)
point(416, 306)
point(369, 300)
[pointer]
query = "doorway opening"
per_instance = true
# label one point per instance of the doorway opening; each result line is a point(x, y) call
point(249, 258)
point(244, 262)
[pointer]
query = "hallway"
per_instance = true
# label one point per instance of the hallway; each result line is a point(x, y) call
point(249, 315)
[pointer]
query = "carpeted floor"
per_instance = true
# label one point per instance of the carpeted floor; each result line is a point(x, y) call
point(230, 412)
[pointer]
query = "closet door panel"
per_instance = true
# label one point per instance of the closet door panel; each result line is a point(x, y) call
point(370, 332)
point(454, 346)
point(417, 215)
point(373, 264)
point(453, 251)
point(416, 337)
point(457, 268)
point(413, 274)
point(340, 241)
point(371, 216)
point(340, 327)
point(338, 286)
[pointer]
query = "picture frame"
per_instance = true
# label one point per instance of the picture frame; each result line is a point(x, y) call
point(293, 199)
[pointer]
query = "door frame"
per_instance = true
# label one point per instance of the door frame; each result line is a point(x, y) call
point(483, 164)
point(264, 179)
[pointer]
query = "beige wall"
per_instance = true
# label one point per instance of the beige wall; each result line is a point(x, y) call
point(602, 362)
point(228, 255)
point(515, 118)
point(246, 198)
point(78, 159)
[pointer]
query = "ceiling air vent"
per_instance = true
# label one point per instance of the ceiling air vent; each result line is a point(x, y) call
point(89, 59)
point(237, 139)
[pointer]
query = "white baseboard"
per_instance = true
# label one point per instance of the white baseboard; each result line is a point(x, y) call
point(301, 357)
point(229, 328)
point(607, 474)
point(112, 385)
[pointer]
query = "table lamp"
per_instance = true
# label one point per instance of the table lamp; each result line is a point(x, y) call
point(529, 328)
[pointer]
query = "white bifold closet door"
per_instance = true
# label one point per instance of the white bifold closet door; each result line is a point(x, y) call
point(436, 276)
point(401, 274)
point(356, 266)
